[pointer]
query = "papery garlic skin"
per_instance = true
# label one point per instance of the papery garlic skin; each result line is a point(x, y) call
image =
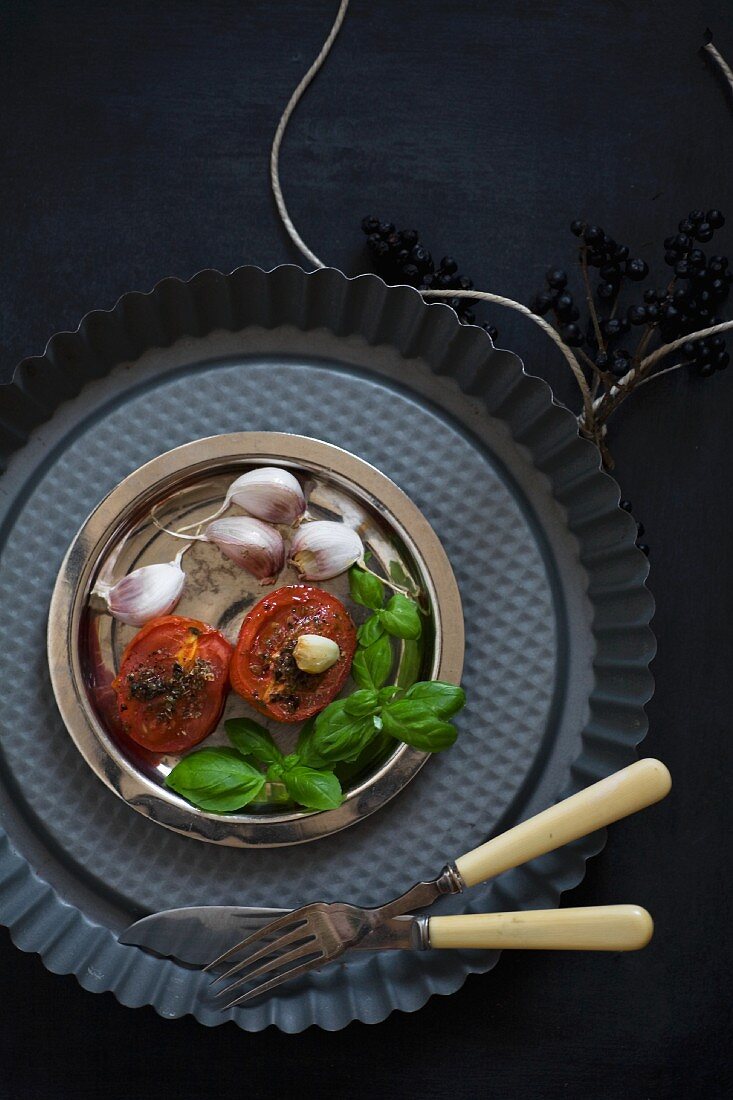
point(323, 549)
point(270, 494)
point(249, 543)
point(145, 593)
point(315, 653)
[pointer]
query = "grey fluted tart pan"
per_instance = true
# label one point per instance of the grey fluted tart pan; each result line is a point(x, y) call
point(553, 589)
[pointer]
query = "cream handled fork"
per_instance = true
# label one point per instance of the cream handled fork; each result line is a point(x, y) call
point(318, 933)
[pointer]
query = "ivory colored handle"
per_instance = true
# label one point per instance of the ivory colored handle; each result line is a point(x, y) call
point(617, 796)
point(595, 928)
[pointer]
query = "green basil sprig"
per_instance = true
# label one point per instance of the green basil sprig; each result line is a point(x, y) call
point(400, 618)
point(219, 780)
point(418, 716)
point(226, 779)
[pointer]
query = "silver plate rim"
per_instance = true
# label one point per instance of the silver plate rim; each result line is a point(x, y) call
point(70, 596)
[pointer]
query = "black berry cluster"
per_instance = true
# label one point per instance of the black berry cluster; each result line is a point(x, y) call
point(698, 287)
point(614, 264)
point(400, 257)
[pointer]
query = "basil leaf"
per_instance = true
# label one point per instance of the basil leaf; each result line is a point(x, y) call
point(252, 739)
point(305, 747)
point(411, 661)
point(401, 617)
point(418, 725)
point(386, 694)
point(362, 702)
point(371, 665)
point(339, 735)
point(370, 630)
point(365, 588)
point(216, 779)
point(317, 790)
point(274, 773)
point(399, 576)
point(290, 761)
point(444, 699)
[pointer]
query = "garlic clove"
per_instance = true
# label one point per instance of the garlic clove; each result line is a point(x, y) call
point(145, 593)
point(323, 549)
point(315, 653)
point(270, 494)
point(253, 545)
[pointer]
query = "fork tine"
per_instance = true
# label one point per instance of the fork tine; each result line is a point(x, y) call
point(273, 926)
point(311, 947)
point(265, 987)
point(299, 933)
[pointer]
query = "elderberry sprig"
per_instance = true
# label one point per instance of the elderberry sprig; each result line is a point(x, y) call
point(399, 256)
point(611, 352)
point(688, 303)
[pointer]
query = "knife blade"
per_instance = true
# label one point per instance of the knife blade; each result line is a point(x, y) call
point(196, 934)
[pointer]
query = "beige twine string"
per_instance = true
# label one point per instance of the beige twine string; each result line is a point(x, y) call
point(721, 62)
point(498, 300)
point(278, 139)
point(587, 419)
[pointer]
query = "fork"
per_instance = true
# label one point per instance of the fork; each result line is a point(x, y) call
point(318, 933)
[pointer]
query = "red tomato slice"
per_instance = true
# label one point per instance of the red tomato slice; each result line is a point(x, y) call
point(263, 669)
point(172, 683)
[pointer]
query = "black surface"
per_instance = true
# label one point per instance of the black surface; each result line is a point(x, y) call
point(135, 141)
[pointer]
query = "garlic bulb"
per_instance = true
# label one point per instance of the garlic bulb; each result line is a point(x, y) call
point(323, 549)
point(144, 594)
point(251, 544)
point(267, 493)
point(315, 653)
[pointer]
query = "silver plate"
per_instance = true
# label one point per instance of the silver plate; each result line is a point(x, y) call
point(85, 644)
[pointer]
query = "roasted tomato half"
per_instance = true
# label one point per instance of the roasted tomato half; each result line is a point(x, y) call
point(263, 669)
point(172, 683)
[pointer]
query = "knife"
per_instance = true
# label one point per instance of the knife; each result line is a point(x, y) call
point(191, 934)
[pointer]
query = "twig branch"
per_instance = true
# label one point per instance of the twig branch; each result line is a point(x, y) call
point(605, 405)
point(589, 298)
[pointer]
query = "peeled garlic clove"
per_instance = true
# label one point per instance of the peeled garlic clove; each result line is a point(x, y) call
point(144, 594)
point(251, 544)
point(315, 653)
point(323, 549)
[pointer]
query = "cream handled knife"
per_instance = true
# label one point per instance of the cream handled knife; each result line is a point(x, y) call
point(592, 928)
point(191, 935)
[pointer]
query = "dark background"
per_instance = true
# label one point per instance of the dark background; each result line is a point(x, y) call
point(135, 141)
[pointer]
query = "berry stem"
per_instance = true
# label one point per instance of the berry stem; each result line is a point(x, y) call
point(599, 375)
point(614, 307)
point(583, 256)
point(659, 373)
